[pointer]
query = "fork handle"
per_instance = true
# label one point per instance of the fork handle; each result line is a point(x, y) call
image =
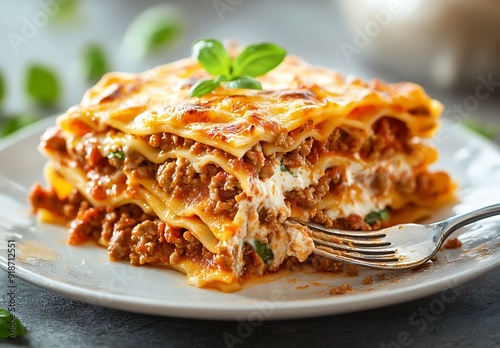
point(454, 223)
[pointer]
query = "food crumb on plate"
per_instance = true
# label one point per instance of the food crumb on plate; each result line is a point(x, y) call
point(368, 280)
point(453, 243)
point(343, 289)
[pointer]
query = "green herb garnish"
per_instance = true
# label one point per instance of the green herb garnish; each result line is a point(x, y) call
point(14, 123)
point(253, 61)
point(10, 325)
point(262, 250)
point(42, 84)
point(482, 129)
point(2, 88)
point(375, 216)
point(116, 154)
point(285, 169)
point(94, 63)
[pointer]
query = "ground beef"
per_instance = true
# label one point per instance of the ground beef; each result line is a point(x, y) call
point(87, 153)
point(381, 182)
point(128, 216)
point(344, 141)
point(129, 233)
point(223, 190)
point(259, 163)
point(324, 264)
point(148, 244)
point(389, 136)
point(332, 181)
point(298, 157)
point(138, 166)
point(47, 198)
point(53, 140)
point(284, 140)
point(87, 224)
point(220, 189)
point(351, 222)
point(168, 142)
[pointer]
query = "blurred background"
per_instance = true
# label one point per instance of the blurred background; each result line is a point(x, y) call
point(51, 51)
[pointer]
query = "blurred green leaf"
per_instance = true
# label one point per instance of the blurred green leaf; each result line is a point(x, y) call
point(16, 122)
point(42, 85)
point(2, 88)
point(5, 321)
point(482, 129)
point(94, 63)
point(161, 34)
point(153, 30)
point(67, 11)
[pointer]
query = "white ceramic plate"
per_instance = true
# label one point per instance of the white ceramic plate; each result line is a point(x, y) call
point(84, 272)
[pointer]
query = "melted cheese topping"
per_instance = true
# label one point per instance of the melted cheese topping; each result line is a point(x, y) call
point(234, 120)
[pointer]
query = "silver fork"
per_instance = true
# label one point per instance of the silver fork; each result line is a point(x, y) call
point(399, 246)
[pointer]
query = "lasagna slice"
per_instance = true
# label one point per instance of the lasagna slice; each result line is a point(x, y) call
point(209, 185)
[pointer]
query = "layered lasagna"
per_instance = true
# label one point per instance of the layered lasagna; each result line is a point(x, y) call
point(211, 185)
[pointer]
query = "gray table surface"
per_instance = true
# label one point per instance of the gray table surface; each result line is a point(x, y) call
point(472, 319)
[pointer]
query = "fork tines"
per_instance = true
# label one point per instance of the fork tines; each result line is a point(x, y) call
point(349, 245)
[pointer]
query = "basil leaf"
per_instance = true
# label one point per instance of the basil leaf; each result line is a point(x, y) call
point(6, 319)
point(212, 56)
point(255, 60)
point(2, 88)
point(14, 123)
point(285, 169)
point(247, 82)
point(42, 84)
point(258, 59)
point(375, 216)
point(116, 154)
point(94, 63)
point(203, 87)
point(262, 250)
point(221, 78)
